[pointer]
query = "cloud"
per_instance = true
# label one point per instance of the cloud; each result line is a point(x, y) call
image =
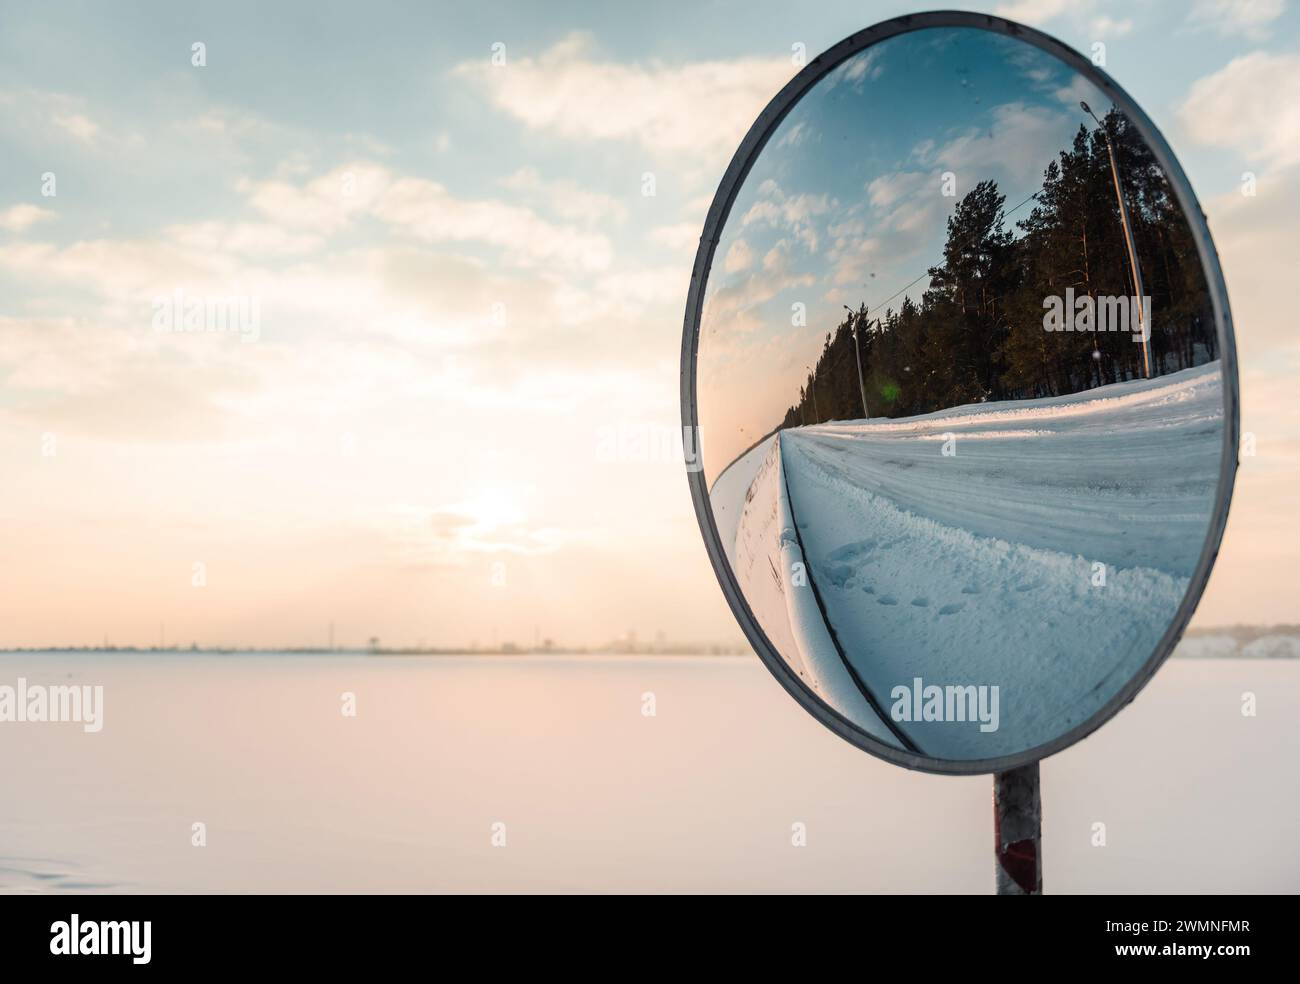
point(853, 261)
point(856, 71)
point(680, 237)
point(85, 376)
point(361, 250)
point(1020, 143)
point(567, 91)
point(795, 135)
point(1251, 106)
point(79, 126)
point(734, 302)
point(566, 199)
point(887, 189)
point(253, 239)
point(799, 214)
point(739, 257)
point(19, 218)
point(1248, 18)
point(323, 205)
point(1255, 238)
point(1112, 27)
point(429, 213)
point(1079, 90)
point(34, 116)
point(1037, 11)
point(351, 332)
point(908, 206)
point(117, 270)
point(1082, 13)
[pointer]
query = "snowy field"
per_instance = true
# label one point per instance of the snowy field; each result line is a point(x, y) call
point(983, 566)
point(597, 797)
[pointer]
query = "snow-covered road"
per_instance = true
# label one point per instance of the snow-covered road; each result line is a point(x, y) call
point(1041, 547)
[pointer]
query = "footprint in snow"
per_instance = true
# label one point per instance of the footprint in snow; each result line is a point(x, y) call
point(851, 551)
point(887, 600)
point(921, 602)
point(839, 574)
point(952, 609)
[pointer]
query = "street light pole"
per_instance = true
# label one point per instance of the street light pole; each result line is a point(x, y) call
point(857, 361)
point(1128, 239)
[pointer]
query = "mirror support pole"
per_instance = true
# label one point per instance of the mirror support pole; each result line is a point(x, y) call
point(1018, 831)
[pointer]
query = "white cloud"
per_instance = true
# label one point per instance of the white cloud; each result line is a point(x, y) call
point(680, 237)
point(739, 257)
point(1021, 141)
point(19, 218)
point(617, 298)
point(324, 204)
point(854, 260)
point(434, 303)
point(1252, 106)
point(121, 271)
point(736, 301)
point(908, 207)
point(1255, 238)
point(1112, 27)
point(862, 66)
point(568, 92)
point(36, 117)
point(79, 126)
point(887, 189)
point(777, 259)
point(1037, 11)
point(567, 199)
point(797, 213)
point(254, 239)
point(794, 135)
point(1248, 18)
point(855, 71)
point(1081, 14)
point(1079, 90)
point(428, 212)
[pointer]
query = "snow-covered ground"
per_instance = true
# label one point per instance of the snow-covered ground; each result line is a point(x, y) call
point(595, 797)
point(983, 567)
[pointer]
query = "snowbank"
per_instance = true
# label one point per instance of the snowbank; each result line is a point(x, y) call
point(752, 511)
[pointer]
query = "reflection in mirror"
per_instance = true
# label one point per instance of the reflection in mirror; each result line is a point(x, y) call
point(959, 395)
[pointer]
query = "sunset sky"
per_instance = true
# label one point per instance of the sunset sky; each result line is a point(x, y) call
point(451, 424)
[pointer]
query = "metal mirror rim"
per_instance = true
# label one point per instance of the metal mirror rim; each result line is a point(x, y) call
point(732, 180)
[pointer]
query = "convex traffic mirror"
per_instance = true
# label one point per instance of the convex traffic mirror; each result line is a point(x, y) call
point(959, 361)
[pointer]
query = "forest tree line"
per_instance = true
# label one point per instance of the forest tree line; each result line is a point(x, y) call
point(978, 333)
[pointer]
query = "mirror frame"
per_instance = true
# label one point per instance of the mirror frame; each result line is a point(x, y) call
point(732, 180)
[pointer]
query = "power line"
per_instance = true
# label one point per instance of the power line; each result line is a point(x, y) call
point(892, 296)
point(1031, 195)
point(877, 307)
